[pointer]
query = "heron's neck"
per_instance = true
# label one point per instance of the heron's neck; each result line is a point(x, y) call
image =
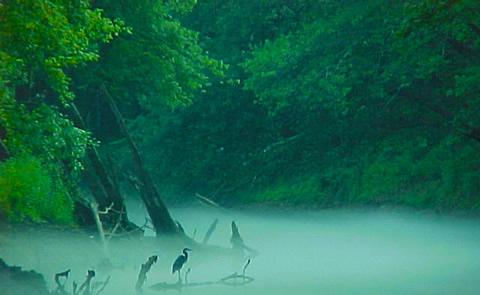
point(185, 253)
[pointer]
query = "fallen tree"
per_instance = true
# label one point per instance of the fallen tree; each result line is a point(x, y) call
point(162, 221)
point(103, 188)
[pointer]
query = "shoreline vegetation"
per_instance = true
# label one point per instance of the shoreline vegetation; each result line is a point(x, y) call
point(110, 108)
point(325, 104)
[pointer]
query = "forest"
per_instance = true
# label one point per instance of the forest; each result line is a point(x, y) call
point(115, 114)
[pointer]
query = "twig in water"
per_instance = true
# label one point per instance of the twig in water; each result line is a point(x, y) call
point(245, 267)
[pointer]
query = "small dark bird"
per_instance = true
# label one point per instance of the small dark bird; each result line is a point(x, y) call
point(179, 262)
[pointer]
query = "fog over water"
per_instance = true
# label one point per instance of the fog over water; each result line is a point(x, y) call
point(324, 252)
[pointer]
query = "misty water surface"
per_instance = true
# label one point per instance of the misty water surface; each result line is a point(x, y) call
point(327, 252)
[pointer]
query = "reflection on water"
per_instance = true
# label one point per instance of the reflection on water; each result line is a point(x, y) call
point(327, 252)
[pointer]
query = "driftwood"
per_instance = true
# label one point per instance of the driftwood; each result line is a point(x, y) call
point(90, 288)
point(86, 286)
point(60, 290)
point(245, 266)
point(142, 276)
point(178, 285)
point(234, 279)
point(237, 241)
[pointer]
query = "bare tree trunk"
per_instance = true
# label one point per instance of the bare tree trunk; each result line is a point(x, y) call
point(161, 218)
point(112, 193)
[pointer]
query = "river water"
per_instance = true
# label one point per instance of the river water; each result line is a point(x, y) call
point(325, 252)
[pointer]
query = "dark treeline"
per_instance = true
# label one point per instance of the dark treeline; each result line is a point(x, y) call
point(330, 103)
point(325, 103)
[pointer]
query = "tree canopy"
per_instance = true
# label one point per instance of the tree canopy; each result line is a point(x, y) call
point(318, 103)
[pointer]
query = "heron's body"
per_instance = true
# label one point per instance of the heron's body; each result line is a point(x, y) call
point(179, 262)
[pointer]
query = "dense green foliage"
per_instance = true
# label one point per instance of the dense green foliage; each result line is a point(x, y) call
point(28, 192)
point(40, 41)
point(330, 103)
point(45, 49)
point(318, 103)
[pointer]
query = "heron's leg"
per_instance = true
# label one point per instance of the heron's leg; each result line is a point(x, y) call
point(179, 277)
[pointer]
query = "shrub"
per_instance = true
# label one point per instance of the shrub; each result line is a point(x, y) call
point(29, 192)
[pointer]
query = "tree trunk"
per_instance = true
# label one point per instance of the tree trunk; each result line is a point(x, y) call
point(161, 218)
point(112, 193)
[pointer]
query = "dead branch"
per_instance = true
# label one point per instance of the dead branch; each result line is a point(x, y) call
point(61, 286)
point(210, 231)
point(87, 284)
point(207, 201)
point(107, 209)
point(245, 266)
point(142, 276)
point(237, 241)
point(233, 280)
point(96, 216)
point(74, 288)
point(103, 285)
point(117, 225)
point(282, 142)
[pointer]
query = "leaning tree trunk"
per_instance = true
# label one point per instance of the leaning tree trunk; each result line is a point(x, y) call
point(112, 193)
point(161, 218)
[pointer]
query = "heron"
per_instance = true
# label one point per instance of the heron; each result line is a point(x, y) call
point(180, 261)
